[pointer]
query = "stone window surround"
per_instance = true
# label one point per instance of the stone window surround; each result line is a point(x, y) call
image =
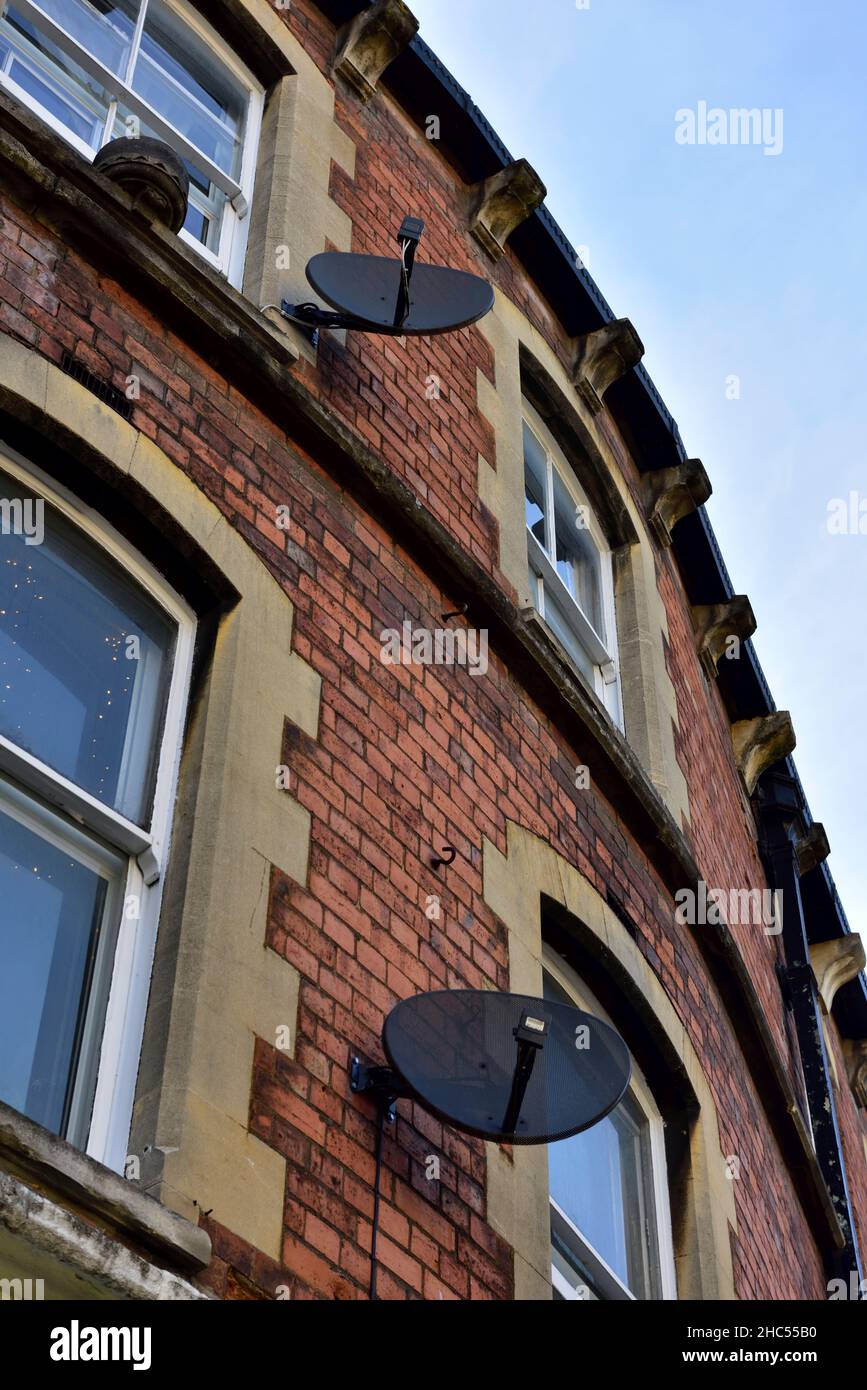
point(101, 1124)
point(292, 216)
point(190, 1123)
point(526, 367)
point(516, 887)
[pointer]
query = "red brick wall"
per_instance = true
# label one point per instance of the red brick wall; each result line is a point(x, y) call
point(410, 758)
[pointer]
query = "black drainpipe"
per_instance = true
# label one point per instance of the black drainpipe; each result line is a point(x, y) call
point(780, 826)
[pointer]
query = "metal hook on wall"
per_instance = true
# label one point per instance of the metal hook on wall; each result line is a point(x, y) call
point(449, 855)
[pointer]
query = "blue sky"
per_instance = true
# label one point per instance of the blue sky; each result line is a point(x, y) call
point(729, 262)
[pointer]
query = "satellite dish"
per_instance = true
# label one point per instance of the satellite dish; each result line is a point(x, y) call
point(504, 1067)
point(379, 294)
point(368, 288)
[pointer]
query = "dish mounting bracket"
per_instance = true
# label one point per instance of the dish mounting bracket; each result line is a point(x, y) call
point(383, 1083)
point(311, 318)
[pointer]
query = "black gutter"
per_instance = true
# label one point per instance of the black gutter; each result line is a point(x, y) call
point(779, 829)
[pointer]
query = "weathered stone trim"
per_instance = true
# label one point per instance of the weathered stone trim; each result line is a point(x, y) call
point(254, 32)
point(761, 742)
point(548, 389)
point(855, 1054)
point(603, 357)
point(672, 493)
point(835, 963)
point(293, 216)
point(715, 624)
point(370, 42)
point(65, 1173)
point(216, 986)
point(75, 1260)
point(812, 848)
point(501, 203)
point(99, 219)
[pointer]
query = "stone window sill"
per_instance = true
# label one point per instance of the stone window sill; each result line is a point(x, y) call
point(82, 1229)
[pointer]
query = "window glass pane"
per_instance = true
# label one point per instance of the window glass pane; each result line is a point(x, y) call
point(601, 1179)
point(104, 27)
point(85, 656)
point(182, 79)
point(579, 563)
point(558, 619)
point(54, 82)
point(573, 1272)
point(535, 486)
point(53, 902)
point(596, 1180)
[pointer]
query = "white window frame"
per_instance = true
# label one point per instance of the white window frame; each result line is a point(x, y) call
point(609, 1285)
point(145, 849)
point(602, 655)
point(234, 227)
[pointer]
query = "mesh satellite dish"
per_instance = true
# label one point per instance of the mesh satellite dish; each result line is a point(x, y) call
point(377, 294)
point(504, 1067)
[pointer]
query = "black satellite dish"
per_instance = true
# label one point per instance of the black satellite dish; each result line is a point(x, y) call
point(368, 288)
point(504, 1067)
point(377, 294)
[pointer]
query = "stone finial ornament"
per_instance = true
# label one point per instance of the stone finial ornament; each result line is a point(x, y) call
point(502, 202)
point(759, 743)
point(716, 624)
point(602, 357)
point(812, 849)
point(672, 493)
point(153, 176)
point(370, 42)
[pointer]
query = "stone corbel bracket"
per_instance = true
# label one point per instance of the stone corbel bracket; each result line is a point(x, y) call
point(672, 493)
point(715, 624)
point(835, 963)
point(855, 1052)
point(501, 203)
point(759, 743)
point(812, 849)
point(602, 357)
point(370, 42)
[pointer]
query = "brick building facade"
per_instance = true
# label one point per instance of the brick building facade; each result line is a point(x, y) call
point(288, 504)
